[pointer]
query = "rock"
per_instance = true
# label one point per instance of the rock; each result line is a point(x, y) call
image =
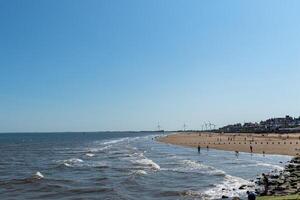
point(242, 187)
point(274, 176)
point(224, 197)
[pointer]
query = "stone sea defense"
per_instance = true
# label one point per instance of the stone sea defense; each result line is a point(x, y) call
point(286, 182)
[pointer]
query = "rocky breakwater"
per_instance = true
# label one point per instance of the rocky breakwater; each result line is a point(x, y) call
point(285, 182)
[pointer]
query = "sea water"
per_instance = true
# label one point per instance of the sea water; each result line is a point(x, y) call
point(125, 165)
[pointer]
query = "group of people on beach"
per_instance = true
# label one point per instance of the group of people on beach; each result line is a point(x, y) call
point(199, 148)
point(236, 152)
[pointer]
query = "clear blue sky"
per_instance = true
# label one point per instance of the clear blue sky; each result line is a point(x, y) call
point(125, 65)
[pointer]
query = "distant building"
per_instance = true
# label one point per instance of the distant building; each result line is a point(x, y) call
point(285, 124)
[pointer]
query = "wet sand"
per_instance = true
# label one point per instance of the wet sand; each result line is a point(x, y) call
point(282, 144)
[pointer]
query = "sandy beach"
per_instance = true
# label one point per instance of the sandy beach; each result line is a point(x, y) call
point(283, 144)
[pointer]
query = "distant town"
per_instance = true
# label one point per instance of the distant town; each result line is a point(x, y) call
point(285, 124)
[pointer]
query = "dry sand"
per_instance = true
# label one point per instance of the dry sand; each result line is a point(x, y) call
point(283, 144)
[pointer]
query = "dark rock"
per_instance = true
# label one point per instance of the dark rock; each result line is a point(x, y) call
point(224, 197)
point(274, 176)
point(242, 187)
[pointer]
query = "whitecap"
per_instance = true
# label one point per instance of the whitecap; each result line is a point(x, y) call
point(38, 175)
point(148, 162)
point(73, 160)
point(67, 164)
point(197, 167)
point(94, 150)
point(70, 162)
point(90, 154)
point(140, 172)
point(114, 141)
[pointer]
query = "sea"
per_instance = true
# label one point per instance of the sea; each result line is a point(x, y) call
point(123, 165)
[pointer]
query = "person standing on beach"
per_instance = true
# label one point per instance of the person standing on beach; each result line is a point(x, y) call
point(199, 148)
point(237, 154)
point(251, 149)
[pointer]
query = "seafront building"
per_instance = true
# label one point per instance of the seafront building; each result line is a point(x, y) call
point(285, 124)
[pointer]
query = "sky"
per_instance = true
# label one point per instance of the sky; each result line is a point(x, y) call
point(70, 65)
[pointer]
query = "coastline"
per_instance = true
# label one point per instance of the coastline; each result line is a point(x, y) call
point(280, 144)
point(282, 185)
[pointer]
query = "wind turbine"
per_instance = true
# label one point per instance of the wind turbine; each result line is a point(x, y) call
point(184, 126)
point(214, 126)
point(209, 124)
point(158, 127)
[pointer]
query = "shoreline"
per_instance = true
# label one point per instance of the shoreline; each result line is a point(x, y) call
point(283, 185)
point(278, 144)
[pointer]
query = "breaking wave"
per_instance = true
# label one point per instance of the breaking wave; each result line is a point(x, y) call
point(149, 163)
point(38, 175)
point(277, 167)
point(230, 187)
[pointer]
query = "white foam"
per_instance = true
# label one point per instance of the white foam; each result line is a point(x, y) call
point(74, 160)
point(270, 165)
point(148, 162)
point(90, 154)
point(140, 172)
point(115, 141)
point(67, 165)
point(94, 150)
point(38, 175)
point(194, 166)
point(229, 187)
point(70, 162)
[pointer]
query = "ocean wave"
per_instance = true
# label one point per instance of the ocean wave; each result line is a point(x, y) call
point(149, 163)
point(38, 175)
point(70, 162)
point(115, 141)
point(139, 172)
point(99, 164)
point(73, 160)
point(90, 154)
point(229, 187)
point(190, 166)
point(277, 167)
point(99, 149)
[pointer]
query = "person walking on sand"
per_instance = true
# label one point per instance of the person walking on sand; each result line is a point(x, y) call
point(199, 148)
point(251, 149)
